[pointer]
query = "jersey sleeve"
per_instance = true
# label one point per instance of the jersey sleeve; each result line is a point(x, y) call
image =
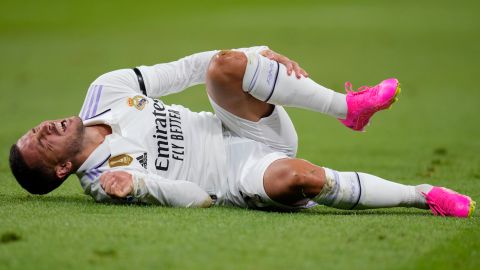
point(153, 189)
point(166, 78)
point(174, 77)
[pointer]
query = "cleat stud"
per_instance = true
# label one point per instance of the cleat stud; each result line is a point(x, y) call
point(472, 208)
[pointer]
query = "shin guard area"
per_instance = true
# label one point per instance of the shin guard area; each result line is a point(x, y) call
point(352, 190)
point(340, 191)
point(260, 76)
point(268, 81)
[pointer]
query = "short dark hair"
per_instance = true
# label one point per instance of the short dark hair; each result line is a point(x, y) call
point(36, 180)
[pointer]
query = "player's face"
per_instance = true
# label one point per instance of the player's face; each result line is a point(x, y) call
point(52, 142)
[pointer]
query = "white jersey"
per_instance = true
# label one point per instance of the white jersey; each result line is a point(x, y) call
point(176, 156)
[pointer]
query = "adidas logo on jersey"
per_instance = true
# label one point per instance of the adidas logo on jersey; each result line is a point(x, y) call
point(142, 159)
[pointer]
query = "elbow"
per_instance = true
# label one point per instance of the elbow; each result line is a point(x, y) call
point(205, 203)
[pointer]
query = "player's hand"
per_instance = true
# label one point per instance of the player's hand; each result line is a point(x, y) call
point(117, 184)
point(289, 64)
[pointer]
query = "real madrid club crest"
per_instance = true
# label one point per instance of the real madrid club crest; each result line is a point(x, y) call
point(138, 102)
point(121, 160)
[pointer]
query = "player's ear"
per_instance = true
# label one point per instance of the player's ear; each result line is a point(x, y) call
point(63, 170)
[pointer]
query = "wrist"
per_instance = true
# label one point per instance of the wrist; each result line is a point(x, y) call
point(138, 185)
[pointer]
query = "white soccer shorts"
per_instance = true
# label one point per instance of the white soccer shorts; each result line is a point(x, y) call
point(251, 147)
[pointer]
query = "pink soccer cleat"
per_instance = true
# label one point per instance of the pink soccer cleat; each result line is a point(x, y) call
point(369, 100)
point(446, 202)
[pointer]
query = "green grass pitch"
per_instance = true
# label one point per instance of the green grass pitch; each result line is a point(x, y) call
point(50, 51)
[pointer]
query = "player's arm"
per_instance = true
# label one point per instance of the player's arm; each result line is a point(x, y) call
point(174, 77)
point(123, 186)
point(166, 78)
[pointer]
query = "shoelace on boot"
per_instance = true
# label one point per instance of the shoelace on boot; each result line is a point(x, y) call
point(360, 90)
point(442, 210)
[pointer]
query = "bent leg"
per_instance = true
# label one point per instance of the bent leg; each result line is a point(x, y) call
point(246, 85)
point(241, 113)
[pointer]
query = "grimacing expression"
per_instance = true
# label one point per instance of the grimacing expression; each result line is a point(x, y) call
point(52, 142)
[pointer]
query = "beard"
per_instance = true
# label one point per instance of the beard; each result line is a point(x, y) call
point(74, 143)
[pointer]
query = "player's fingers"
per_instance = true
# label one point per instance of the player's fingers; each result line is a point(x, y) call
point(109, 184)
point(123, 191)
point(120, 189)
point(296, 69)
point(114, 188)
point(286, 62)
point(126, 185)
point(108, 189)
point(304, 73)
point(270, 56)
point(104, 179)
point(289, 67)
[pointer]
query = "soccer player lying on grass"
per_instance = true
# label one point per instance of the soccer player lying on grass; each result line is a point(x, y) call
point(128, 146)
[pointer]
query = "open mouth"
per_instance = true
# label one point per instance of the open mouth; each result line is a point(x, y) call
point(59, 127)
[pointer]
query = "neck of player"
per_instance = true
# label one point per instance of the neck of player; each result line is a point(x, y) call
point(94, 136)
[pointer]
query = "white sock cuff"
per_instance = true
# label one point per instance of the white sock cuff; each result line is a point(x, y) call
point(330, 188)
point(260, 76)
point(341, 190)
point(329, 173)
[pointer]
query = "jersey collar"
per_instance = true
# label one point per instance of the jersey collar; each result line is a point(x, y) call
point(97, 158)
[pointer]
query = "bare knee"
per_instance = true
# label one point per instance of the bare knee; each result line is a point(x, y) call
point(224, 86)
point(227, 66)
point(291, 175)
point(292, 180)
point(298, 177)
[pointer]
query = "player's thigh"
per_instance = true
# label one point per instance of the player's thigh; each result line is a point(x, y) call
point(276, 130)
point(247, 163)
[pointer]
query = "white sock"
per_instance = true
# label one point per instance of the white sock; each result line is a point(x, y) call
point(351, 190)
point(267, 80)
